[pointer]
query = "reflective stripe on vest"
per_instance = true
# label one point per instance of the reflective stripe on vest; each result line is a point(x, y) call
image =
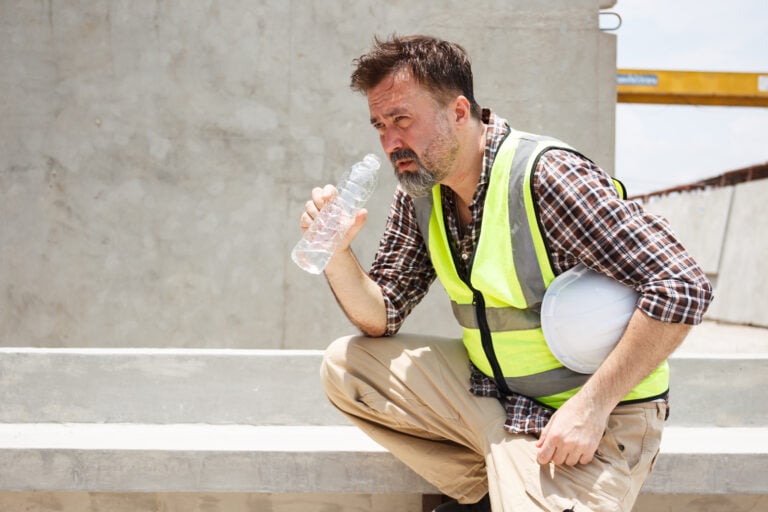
point(498, 303)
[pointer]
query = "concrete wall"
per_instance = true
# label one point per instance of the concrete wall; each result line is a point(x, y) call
point(155, 156)
point(723, 229)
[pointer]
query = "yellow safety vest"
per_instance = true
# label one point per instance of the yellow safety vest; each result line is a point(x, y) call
point(498, 303)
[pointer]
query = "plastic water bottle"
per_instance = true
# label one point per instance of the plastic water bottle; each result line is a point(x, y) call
point(322, 238)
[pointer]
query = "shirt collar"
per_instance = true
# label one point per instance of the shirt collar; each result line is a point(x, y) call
point(497, 129)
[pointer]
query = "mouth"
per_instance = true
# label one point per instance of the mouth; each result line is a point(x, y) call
point(403, 164)
point(404, 160)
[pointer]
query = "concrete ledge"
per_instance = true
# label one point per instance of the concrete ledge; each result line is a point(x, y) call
point(718, 390)
point(340, 459)
point(198, 458)
point(252, 387)
point(711, 461)
point(140, 420)
point(222, 386)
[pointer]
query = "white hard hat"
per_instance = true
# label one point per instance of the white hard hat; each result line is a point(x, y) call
point(583, 316)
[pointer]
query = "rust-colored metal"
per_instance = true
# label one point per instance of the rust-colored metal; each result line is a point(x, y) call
point(751, 173)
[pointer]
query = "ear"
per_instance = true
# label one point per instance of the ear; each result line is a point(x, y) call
point(462, 110)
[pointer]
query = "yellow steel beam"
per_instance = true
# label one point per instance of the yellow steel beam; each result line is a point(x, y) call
point(692, 87)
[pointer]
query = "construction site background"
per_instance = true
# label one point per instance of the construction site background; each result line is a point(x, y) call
point(155, 158)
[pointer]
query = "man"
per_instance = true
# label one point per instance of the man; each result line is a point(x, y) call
point(496, 214)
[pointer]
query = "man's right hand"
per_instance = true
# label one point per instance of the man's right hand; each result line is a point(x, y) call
point(321, 196)
point(359, 296)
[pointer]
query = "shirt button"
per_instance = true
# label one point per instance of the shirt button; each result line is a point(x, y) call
point(465, 256)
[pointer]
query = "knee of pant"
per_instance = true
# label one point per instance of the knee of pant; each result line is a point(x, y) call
point(336, 353)
point(334, 364)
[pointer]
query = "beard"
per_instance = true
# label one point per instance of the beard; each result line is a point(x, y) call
point(433, 168)
point(416, 183)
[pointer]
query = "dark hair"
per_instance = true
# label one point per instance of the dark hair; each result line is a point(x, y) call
point(441, 66)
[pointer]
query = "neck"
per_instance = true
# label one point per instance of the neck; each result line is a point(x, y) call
point(469, 164)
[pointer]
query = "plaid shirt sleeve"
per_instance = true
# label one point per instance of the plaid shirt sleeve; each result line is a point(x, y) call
point(402, 267)
point(585, 220)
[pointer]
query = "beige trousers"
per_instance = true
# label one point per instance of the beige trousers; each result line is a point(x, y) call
point(410, 394)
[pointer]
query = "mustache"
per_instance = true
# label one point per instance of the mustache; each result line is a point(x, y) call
point(402, 154)
point(416, 184)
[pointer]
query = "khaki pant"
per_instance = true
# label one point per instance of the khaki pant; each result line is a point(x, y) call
point(410, 394)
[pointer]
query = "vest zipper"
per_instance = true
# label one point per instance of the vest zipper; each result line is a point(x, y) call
point(486, 338)
point(487, 341)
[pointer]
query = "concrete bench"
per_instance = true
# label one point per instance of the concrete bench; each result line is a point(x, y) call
point(312, 459)
point(169, 420)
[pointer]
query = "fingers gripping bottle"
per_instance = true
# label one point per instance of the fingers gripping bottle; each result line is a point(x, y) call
point(323, 237)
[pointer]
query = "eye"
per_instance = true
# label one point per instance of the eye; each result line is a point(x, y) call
point(402, 121)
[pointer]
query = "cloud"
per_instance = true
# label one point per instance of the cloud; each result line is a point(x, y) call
point(689, 34)
point(660, 146)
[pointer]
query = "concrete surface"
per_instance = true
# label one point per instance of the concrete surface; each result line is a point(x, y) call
point(700, 220)
point(198, 458)
point(701, 503)
point(215, 420)
point(724, 338)
point(718, 364)
point(718, 390)
point(719, 228)
point(742, 279)
point(116, 467)
point(206, 502)
point(163, 386)
point(207, 458)
point(155, 157)
point(248, 502)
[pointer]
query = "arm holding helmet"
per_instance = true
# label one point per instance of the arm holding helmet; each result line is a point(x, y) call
point(574, 432)
point(619, 239)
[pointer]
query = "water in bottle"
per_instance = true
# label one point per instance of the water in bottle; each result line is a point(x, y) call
point(322, 238)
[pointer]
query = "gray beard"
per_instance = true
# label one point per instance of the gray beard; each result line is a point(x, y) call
point(441, 151)
point(418, 183)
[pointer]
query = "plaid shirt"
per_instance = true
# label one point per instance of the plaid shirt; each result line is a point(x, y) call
point(583, 220)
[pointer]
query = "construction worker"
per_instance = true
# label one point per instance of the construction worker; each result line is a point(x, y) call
point(496, 214)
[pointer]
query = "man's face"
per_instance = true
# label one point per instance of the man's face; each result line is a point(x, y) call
point(415, 132)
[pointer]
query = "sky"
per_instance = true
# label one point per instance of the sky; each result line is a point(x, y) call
point(661, 146)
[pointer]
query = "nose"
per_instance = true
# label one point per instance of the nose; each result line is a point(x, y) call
point(391, 141)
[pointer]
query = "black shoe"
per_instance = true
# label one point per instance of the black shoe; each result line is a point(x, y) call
point(484, 505)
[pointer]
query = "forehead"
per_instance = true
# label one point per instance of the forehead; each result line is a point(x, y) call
point(398, 92)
